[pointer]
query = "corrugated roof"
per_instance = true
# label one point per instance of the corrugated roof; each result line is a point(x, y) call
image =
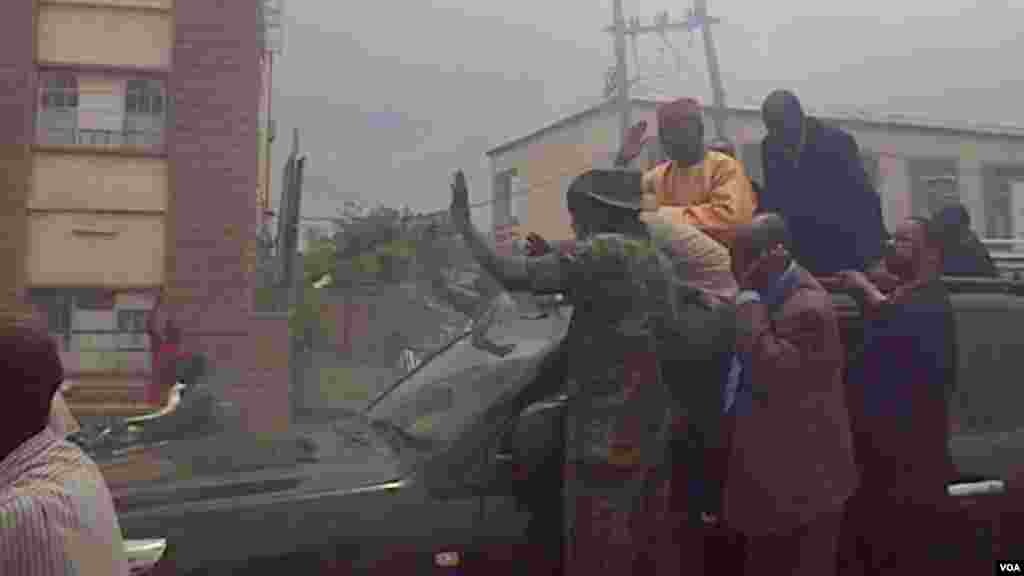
point(890, 120)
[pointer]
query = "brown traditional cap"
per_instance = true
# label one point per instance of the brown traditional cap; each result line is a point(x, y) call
point(678, 113)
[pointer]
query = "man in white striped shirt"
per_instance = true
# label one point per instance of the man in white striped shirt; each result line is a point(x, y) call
point(56, 513)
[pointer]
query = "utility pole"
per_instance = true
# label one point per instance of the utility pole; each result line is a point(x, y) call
point(621, 72)
point(291, 289)
point(697, 19)
point(700, 18)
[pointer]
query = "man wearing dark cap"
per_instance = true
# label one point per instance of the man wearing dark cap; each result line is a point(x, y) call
point(619, 421)
point(56, 512)
point(696, 186)
point(815, 178)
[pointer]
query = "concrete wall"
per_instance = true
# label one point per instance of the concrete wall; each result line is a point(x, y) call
point(114, 250)
point(146, 4)
point(214, 93)
point(73, 181)
point(17, 96)
point(79, 34)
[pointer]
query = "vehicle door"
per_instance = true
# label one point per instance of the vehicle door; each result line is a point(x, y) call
point(451, 400)
point(483, 462)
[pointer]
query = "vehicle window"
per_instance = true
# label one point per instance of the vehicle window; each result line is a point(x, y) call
point(446, 393)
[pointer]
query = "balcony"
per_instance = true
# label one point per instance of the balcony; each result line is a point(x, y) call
point(101, 112)
point(149, 140)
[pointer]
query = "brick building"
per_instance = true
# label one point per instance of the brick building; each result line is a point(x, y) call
point(130, 162)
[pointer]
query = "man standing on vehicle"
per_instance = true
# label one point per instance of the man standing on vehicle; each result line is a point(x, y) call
point(900, 385)
point(56, 513)
point(791, 466)
point(814, 177)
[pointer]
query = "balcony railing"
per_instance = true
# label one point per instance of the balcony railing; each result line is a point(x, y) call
point(105, 351)
point(150, 140)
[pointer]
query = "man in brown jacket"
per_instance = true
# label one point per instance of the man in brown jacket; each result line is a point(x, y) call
point(791, 467)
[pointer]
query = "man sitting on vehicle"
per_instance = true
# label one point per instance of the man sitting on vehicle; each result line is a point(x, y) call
point(56, 512)
point(900, 384)
point(697, 186)
point(725, 146)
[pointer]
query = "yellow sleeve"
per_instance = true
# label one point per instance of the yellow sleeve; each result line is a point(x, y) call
point(730, 200)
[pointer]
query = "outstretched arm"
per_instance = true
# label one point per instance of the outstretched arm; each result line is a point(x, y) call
point(516, 273)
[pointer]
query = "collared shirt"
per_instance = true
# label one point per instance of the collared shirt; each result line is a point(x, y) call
point(772, 297)
point(56, 513)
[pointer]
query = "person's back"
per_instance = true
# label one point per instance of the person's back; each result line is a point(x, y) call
point(56, 513)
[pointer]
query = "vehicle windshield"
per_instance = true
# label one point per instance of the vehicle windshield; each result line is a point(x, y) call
point(436, 401)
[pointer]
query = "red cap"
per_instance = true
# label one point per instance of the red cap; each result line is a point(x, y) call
point(678, 113)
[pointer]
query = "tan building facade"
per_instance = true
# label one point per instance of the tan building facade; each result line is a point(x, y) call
point(135, 156)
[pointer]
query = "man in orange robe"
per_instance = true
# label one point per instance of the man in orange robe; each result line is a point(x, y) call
point(696, 186)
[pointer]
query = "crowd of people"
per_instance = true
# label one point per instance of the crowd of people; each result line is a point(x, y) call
point(709, 384)
point(815, 460)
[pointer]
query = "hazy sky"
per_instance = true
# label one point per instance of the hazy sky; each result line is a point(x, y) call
point(391, 95)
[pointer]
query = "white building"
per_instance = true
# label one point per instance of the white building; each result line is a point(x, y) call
point(913, 164)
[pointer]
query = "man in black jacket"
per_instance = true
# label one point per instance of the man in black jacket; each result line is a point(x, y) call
point(814, 178)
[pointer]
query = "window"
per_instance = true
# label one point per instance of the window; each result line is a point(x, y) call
point(59, 91)
point(996, 191)
point(502, 209)
point(519, 196)
point(144, 97)
point(132, 326)
point(101, 110)
point(55, 305)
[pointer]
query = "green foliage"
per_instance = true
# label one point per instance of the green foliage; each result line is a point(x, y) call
point(319, 259)
point(310, 318)
point(339, 387)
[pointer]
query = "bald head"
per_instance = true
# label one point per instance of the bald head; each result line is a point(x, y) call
point(783, 116)
point(764, 232)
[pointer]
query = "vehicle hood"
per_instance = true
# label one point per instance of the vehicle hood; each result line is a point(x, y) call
point(230, 469)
